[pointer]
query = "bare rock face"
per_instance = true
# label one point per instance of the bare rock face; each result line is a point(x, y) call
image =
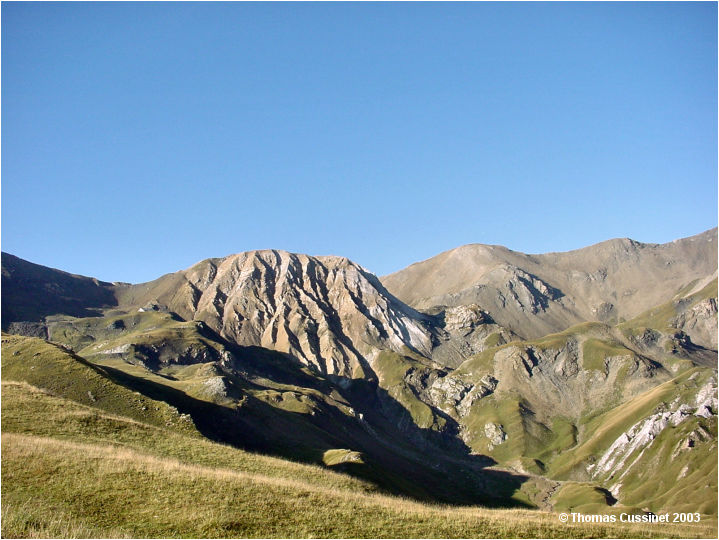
point(495, 434)
point(700, 323)
point(452, 394)
point(463, 319)
point(328, 312)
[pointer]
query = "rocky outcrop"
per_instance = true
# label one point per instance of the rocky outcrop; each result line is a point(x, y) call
point(328, 312)
point(29, 329)
point(700, 323)
point(453, 395)
point(495, 434)
point(463, 331)
point(463, 319)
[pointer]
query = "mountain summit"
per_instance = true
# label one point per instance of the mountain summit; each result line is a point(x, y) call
point(326, 311)
point(534, 295)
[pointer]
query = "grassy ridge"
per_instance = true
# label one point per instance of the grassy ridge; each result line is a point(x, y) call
point(60, 372)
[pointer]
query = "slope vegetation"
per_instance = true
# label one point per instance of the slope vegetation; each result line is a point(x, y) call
point(73, 469)
point(583, 381)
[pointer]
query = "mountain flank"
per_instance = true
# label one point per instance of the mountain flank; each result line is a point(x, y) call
point(533, 295)
point(579, 381)
point(327, 311)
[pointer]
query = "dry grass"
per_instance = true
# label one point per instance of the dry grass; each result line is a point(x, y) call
point(112, 491)
point(75, 470)
point(33, 519)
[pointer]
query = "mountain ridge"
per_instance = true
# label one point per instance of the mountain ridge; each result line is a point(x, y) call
point(560, 288)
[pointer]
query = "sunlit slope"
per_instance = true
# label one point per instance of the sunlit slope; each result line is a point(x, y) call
point(62, 474)
point(533, 295)
point(62, 373)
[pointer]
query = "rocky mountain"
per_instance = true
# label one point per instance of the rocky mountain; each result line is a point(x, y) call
point(505, 378)
point(533, 295)
point(328, 312)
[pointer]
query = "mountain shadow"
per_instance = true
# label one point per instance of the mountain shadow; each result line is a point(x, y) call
point(31, 292)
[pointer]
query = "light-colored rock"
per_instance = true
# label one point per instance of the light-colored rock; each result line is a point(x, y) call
point(214, 388)
point(495, 433)
point(700, 323)
point(706, 399)
point(328, 312)
point(533, 295)
point(121, 349)
point(462, 319)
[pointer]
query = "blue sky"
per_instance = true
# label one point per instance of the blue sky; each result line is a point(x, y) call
point(140, 138)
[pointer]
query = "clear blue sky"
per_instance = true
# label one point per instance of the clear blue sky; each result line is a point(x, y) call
point(138, 139)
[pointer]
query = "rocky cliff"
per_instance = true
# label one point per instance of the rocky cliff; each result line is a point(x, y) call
point(326, 311)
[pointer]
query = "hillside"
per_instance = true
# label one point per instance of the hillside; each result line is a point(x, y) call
point(581, 381)
point(93, 473)
point(31, 292)
point(326, 311)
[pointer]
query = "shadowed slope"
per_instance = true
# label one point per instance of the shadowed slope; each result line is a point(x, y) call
point(30, 292)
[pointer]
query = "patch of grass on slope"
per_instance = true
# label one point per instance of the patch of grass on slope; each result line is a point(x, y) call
point(595, 352)
point(583, 498)
point(600, 431)
point(34, 518)
point(58, 371)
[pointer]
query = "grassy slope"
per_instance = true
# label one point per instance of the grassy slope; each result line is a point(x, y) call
point(268, 418)
point(602, 430)
point(659, 476)
point(536, 440)
point(61, 477)
point(563, 449)
point(58, 371)
point(529, 440)
point(660, 316)
point(72, 468)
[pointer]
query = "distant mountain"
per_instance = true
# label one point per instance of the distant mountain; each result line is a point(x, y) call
point(533, 295)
